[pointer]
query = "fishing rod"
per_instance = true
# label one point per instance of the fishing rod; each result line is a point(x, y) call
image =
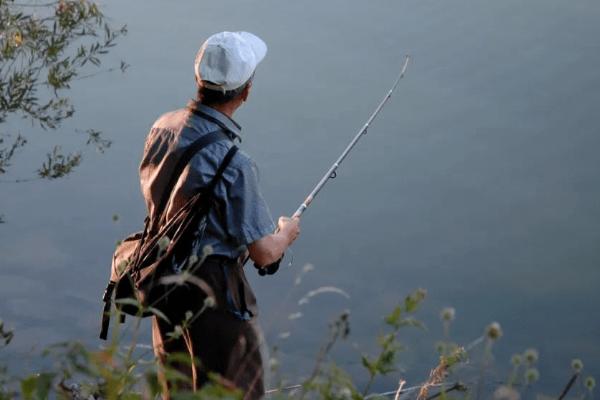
point(332, 171)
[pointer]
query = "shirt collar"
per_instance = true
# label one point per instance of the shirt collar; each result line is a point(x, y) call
point(231, 127)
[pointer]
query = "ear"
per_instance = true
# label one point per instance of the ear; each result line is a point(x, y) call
point(246, 91)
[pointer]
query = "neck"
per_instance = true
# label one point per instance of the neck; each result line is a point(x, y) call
point(227, 108)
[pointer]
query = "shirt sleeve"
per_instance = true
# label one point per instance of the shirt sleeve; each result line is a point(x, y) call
point(248, 216)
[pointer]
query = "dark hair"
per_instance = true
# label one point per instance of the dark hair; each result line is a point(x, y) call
point(210, 97)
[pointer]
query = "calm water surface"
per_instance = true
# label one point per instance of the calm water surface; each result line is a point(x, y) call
point(480, 181)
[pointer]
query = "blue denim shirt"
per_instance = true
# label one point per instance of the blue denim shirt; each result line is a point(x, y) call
point(241, 215)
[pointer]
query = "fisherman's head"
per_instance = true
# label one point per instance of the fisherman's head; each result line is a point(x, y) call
point(225, 66)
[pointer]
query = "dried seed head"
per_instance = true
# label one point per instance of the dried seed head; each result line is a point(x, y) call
point(447, 314)
point(577, 365)
point(590, 383)
point(532, 375)
point(531, 356)
point(516, 360)
point(493, 331)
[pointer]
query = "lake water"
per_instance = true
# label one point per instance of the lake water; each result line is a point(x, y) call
point(480, 180)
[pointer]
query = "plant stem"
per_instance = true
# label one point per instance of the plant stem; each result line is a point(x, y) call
point(456, 386)
point(484, 362)
point(569, 385)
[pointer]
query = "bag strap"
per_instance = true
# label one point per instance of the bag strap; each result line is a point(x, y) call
point(224, 164)
point(188, 154)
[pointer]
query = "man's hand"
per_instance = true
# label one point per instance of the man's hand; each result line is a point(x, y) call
point(270, 248)
point(290, 227)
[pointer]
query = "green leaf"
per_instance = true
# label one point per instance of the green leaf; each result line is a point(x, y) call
point(37, 387)
point(393, 319)
point(412, 322)
point(370, 366)
point(413, 300)
point(129, 302)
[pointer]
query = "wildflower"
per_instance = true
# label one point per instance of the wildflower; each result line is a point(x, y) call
point(192, 260)
point(532, 375)
point(295, 316)
point(284, 335)
point(176, 333)
point(590, 383)
point(506, 393)
point(207, 250)
point(458, 355)
point(273, 363)
point(493, 331)
point(121, 267)
point(516, 360)
point(307, 268)
point(448, 314)
point(209, 302)
point(531, 356)
point(18, 39)
point(577, 365)
point(188, 315)
point(163, 243)
point(345, 393)
point(440, 347)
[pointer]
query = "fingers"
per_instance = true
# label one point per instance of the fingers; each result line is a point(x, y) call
point(291, 226)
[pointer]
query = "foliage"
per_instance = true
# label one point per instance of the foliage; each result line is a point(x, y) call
point(44, 48)
point(117, 372)
point(385, 361)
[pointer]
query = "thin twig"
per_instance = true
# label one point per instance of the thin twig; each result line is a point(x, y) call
point(404, 390)
point(402, 383)
point(34, 5)
point(569, 385)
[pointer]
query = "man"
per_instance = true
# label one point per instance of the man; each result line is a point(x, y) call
point(222, 339)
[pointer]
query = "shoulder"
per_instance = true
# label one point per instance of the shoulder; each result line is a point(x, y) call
point(243, 163)
point(167, 129)
point(241, 166)
point(172, 120)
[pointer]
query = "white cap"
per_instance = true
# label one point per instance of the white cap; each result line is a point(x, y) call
point(227, 60)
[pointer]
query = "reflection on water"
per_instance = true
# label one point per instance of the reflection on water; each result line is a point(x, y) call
point(479, 181)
